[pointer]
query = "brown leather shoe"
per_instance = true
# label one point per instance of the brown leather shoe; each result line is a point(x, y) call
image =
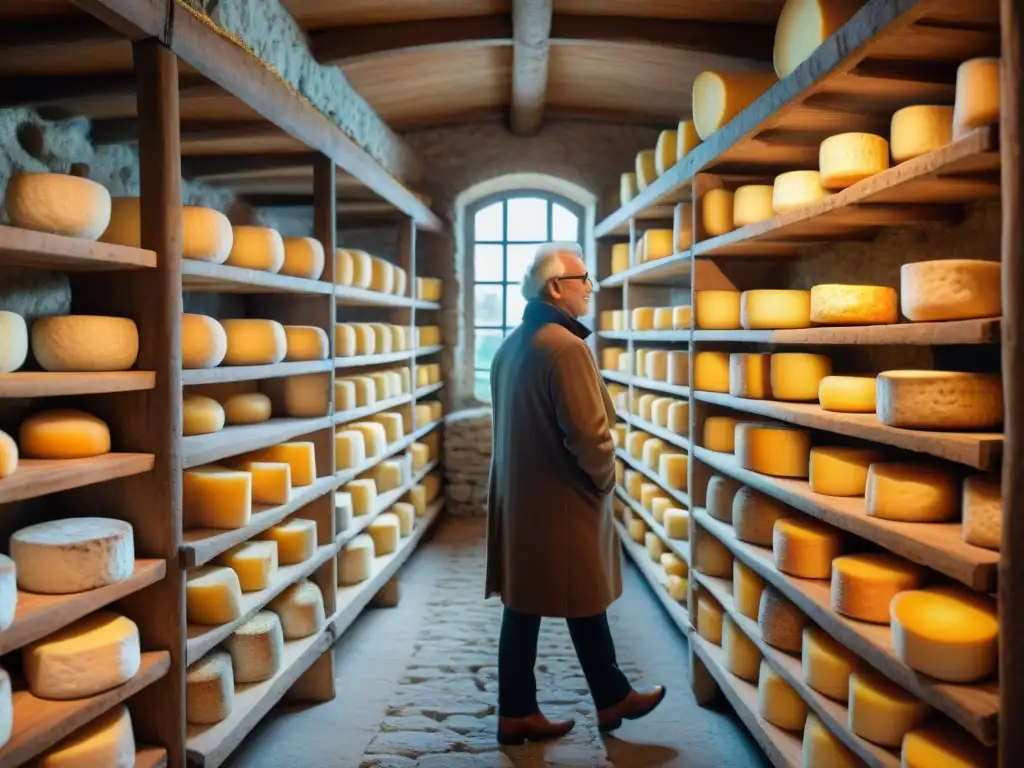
point(513, 731)
point(634, 706)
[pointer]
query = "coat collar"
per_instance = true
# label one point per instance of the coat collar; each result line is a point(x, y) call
point(539, 312)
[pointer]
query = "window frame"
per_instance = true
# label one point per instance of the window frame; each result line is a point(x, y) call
point(550, 199)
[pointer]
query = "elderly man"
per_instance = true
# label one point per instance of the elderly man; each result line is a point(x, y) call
point(551, 544)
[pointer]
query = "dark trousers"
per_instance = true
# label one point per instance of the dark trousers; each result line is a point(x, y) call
point(517, 655)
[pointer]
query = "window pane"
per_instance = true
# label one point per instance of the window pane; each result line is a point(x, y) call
point(488, 304)
point(487, 264)
point(527, 219)
point(519, 258)
point(486, 344)
point(487, 223)
point(482, 386)
point(564, 224)
point(515, 304)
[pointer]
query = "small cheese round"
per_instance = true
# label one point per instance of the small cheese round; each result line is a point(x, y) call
point(881, 711)
point(805, 548)
point(950, 289)
point(209, 688)
point(108, 741)
point(203, 342)
point(355, 560)
point(919, 129)
point(822, 748)
point(303, 257)
point(256, 648)
point(847, 158)
point(796, 376)
point(306, 342)
point(941, 744)
point(794, 190)
point(840, 470)
point(827, 664)
point(911, 492)
point(747, 587)
point(201, 415)
point(719, 433)
point(385, 531)
point(752, 203)
point(982, 511)
point(13, 342)
point(301, 609)
point(742, 657)
point(709, 619)
point(716, 212)
point(754, 515)
point(247, 408)
point(205, 233)
point(771, 310)
point(673, 564)
point(677, 523)
point(719, 96)
point(637, 530)
point(750, 375)
point(712, 558)
point(781, 623)
point(976, 103)
point(654, 545)
point(258, 248)
point(8, 455)
point(833, 304)
point(677, 587)
point(58, 204)
point(946, 632)
point(74, 554)
point(847, 394)
point(720, 493)
point(85, 343)
point(777, 702)
point(672, 468)
point(773, 449)
point(343, 267)
point(255, 342)
point(802, 27)
point(711, 371)
point(63, 433)
point(863, 585)
point(717, 310)
point(213, 595)
point(939, 400)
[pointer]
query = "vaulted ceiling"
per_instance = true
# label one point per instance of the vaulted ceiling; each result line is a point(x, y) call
point(422, 63)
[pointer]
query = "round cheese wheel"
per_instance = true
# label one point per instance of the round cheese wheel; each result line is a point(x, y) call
point(827, 664)
point(719, 498)
point(881, 711)
point(942, 744)
point(864, 585)
point(717, 310)
point(752, 203)
point(796, 376)
point(771, 310)
point(63, 433)
point(247, 408)
point(781, 623)
point(840, 470)
point(108, 741)
point(911, 492)
point(777, 702)
point(847, 158)
point(8, 455)
point(976, 102)
point(796, 189)
point(854, 305)
point(204, 342)
point(58, 204)
point(804, 547)
point(257, 248)
point(773, 449)
point(255, 342)
point(205, 233)
point(13, 342)
point(919, 129)
point(75, 554)
point(306, 342)
point(939, 400)
point(719, 96)
point(72, 343)
point(201, 415)
point(754, 516)
point(821, 747)
point(847, 394)
point(951, 289)
point(343, 268)
point(303, 257)
point(209, 688)
point(750, 375)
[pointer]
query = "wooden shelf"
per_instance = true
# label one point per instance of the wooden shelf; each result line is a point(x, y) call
point(346, 295)
point(656, 580)
point(982, 331)
point(40, 250)
point(915, 191)
point(37, 615)
point(231, 373)
point(653, 429)
point(41, 384)
point(975, 707)
point(782, 748)
point(38, 477)
point(936, 545)
point(201, 545)
point(979, 450)
point(650, 384)
point(680, 497)
point(430, 389)
point(662, 337)
point(345, 476)
point(358, 414)
point(680, 547)
point(232, 441)
point(384, 502)
point(671, 270)
point(362, 361)
point(834, 715)
point(150, 757)
point(39, 724)
point(204, 277)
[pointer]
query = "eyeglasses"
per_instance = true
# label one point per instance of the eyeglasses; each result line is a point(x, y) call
point(584, 278)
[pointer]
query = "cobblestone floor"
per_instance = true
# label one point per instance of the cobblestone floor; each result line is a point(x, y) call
point(416, 685)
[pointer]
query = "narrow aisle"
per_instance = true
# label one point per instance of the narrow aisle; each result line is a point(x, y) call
point(417, 685)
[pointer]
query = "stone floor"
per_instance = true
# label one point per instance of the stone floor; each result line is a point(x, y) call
point(416, 685)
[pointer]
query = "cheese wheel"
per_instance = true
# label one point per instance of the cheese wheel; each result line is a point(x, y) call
point(747, 587)
point(796, 376)
point(681, 318)
point(256, 648)
point(847, 158)
point(827, 664)
point(948, 633)
point(205, 233)
point(58, 204)
point(719, 96)
point(258, 248)
point(107, 741)
point(665, 152)
point(209, 688)
point(658, 243)
point(659, 410)
point(673, 564)
point(742, 657)
point(204, 343)
point(642, 319)
point(254, 562)
point(951, 289)
point(13, 342)
point(213, 595)
point(750, 375)
point(777, 702)
point(711, 557)
point(821, 747)
point(977, 95)
point(76, 554)
point(752, 203)
point(919, 129)
point(717, 310)
point(770, 310)
point(646, 172)
point(306, 342)
point(72, 343)
point(637, 529)
point(401, 281)
point(247, 408)
point(687, 139)
point(628, 188)
point(804, 547)
point(295, 539)
point(216, 497)
point(679, 418)
point(648, 493)
point(716, 212)
point(840, 470)
point(911, 492)
point(864, 585)
point(303, 257)
point(802, 27)
point(672, 469)
point(709, 619)
point(255, 342)
point(8, 606)
point(719, 433)
point(677, 523)
point(982, 511)
point(201, 415)
point(720, 493)
point(853, 305)
point(754, 516)
point(385, 532)
point(63, 433)
point(343, 267)
point(355, 561)
point(940, 744)
point(779, 450)
point(711, 372)
point(794, 190)
point(939, 400)
point(881, 711)
point(677, 587)
point(382, 275)
point(362, 268)
point(847, 394)
point(654, 546)
point(620, 257)
point(663, 319)
point(300, 607)
point(781, 623)
point(682, 224)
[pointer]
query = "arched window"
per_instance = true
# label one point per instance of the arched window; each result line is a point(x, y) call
point(503, 232)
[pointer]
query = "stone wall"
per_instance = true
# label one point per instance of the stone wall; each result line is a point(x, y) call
point(467, 461)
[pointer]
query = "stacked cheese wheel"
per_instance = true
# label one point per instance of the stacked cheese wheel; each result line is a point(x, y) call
point(429, 289)
point(358, 269)
point(428, 336)
point(670, 366)
point(360, 391)
point(672, 146)
point(352, 339)
point(69, 343)
point(208, 343)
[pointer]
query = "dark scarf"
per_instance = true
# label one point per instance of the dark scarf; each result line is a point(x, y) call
point(539, 312)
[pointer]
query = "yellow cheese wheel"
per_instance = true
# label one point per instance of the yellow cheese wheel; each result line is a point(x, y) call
point(796, 189)
point(709, 619)
point(665, 152)
point(58, 204)
point(652, 450)
point(977, 95)
point(881, 711)
point(655, 546)
point(945, 746)
point(672, 469)
point(983, 511)
point(742, 657)
point(362, 268)
point(205, 233)
point(841, 470)
point(620, 257)
point(864, 585)
point(719, 96)
point(663, 319)
point(306, 342)
point(682, 224)
point(853, 305)
point(679, 418)
point(911, 492)
point(88, 343)
point(256, 248)
point(747, 587)
point(750, 375)
point(681, 318)
point(717, 310)
point(628, 188)
point(847, 158)
point(939, 400)
point(247, 408)
point(687, 139)
point(948, 633)
point(770, 310)
point(821, 747)
point(63, 433)
point(716, 212)
point(255, 342)
point(951, 289)
point(796, 376)
point(637, 529)
point(303, 257)
point(201, 415)
point(779, 450)
point(642, 319)
point(711, 557)
point(802, 27)
point(8, 455)
point(658, 243)
point(659, 507)
point(677, 523)
point(805, 548)
point(674, 565)
point(719, 433)
point(919, 129)
point(754, 515)
point(646, 172)
point(777, 702)
point(343, 267)
point(720, 493)
point(827, 664)
point(204, 343)
point(847, 394)
point(382, 275)
point(781, 623)
point(711, 371)
point(752, 203)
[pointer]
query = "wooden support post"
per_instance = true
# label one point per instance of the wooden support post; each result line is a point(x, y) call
point(316, 684)
point(704, 687)
point(388, 595)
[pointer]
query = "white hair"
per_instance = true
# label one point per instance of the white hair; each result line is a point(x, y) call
point(546, 266)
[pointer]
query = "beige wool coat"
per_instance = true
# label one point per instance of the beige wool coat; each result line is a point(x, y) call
point(551, 543)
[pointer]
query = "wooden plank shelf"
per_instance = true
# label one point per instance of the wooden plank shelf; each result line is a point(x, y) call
point(37, 616)
point(357, 414)
point(783, 748)
point(39, 724)
point(201, 545)
point(150, 757)
point(202, 638)
point(975, 707)
point(680, 497)
point(41, 250)
point(347, 475)
point(232, 441)
point(43, 384)
point(384, 502)
point(914, 191)
point(346, 295)
point(978, 450)
point(655, 577)
point(650, 384)
point(833, 714)
point(680, 547)
point(40, 477)
point(429, 389)
point(938, 546)
point(363, 361)
point(981, 331)
point(659, 212)
point(670, 270)
point(658, 337)
point(205, 277)
point(232, 373)
point(661, 433)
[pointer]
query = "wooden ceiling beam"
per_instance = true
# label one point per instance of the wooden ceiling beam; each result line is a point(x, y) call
point(531, 39)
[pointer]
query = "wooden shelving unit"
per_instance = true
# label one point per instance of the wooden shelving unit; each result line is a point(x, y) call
point(162, 78)
point(853, 82)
